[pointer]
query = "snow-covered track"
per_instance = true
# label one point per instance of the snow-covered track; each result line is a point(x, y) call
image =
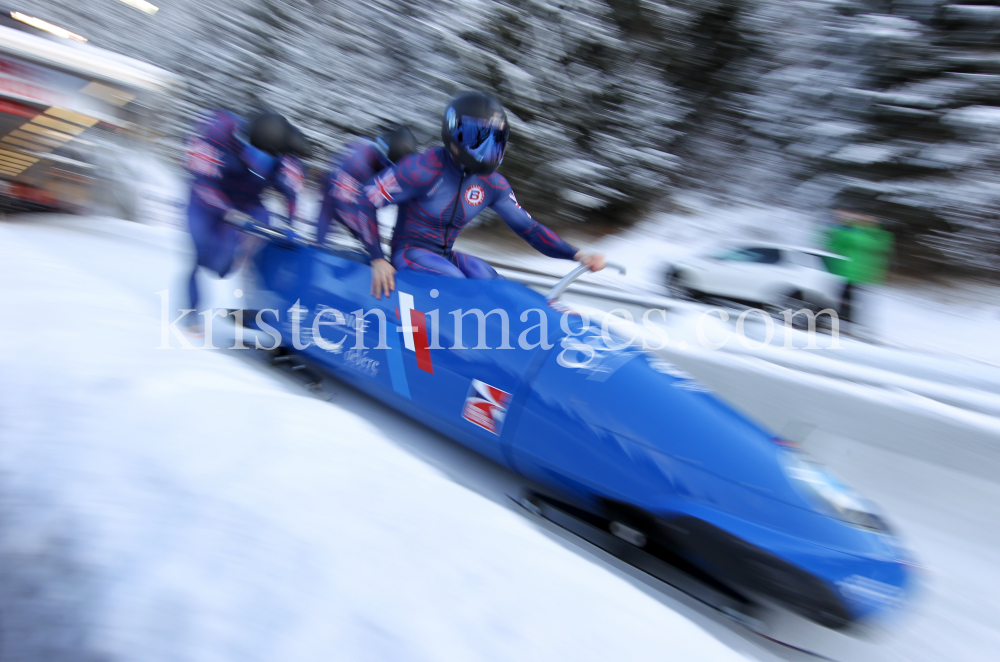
point(930, 469)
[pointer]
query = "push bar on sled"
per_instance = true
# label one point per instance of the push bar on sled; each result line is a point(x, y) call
point(248, 224)
point(566, 280)
point(251, 225)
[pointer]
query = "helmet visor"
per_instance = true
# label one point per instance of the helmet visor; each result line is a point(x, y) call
point(484, 140)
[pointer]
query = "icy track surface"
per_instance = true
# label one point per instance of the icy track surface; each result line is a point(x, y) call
point(192, 505)
point(184, 505)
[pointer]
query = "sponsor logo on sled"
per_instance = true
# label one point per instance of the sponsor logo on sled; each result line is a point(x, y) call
point(359, 360)
point(486, 406)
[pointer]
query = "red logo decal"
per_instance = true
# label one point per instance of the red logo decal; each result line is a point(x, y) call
point(475, 195)
point(414, 330)
point(486, 406)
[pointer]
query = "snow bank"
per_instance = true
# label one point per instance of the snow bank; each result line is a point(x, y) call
point(164, 505)
point(958, 320)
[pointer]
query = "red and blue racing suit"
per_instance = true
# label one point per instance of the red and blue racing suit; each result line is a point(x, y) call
point(437, 199)
point(358, 164)
point(228, 173)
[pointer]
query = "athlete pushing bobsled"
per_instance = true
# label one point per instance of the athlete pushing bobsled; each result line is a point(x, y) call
point(232, 163)
point(440, 190)
point(357, 164)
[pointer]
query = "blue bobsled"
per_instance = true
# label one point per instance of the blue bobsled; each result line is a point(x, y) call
point(614, 430)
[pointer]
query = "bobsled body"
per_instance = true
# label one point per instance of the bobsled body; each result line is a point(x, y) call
point(607, 426)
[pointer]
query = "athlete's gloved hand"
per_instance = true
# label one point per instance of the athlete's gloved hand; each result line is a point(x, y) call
point(593, 260)
point(383, 278)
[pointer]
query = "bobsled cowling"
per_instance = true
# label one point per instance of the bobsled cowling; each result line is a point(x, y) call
point(629, 428)
point(616, 430)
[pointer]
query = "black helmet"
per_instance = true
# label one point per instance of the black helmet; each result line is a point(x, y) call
point(271, 133)
point(397, 143)
point(298, 144)
point(475, 131)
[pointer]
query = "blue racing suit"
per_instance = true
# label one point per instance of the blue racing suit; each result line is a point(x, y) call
point(348, 172)
point(436, 200)
point(229, 173)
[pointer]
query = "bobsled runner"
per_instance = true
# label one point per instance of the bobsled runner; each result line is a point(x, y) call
point(615, 433)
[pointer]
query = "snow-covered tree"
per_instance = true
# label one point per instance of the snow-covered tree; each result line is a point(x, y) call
point(614, 104)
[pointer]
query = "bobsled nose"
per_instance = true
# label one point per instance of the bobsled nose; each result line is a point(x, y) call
point(835, 589)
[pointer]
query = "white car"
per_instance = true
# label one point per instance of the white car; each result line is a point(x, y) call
point(773, 276)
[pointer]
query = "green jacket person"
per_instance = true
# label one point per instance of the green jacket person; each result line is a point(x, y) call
point(867, 248)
